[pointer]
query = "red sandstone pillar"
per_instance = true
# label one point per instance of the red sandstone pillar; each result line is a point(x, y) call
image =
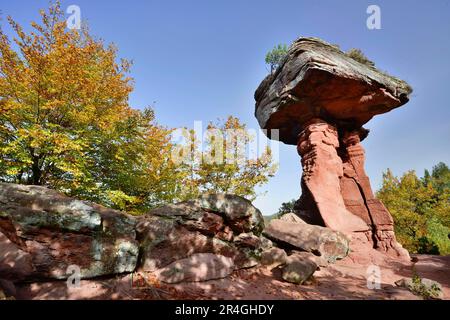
point(336, 191)
point(322, 170)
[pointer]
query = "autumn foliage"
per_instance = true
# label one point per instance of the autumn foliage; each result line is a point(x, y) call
point(66, 123)
point(420, 208)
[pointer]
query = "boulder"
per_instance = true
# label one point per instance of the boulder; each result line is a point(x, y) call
point(426, 288)
point(47, 232)
point(197, 267)
point(273, 257)
point(8, 288)
point(291, 217)
point(15, 263)
point(193, 217)
point(303, 255)
point(164, 241)
point(239, 212)
point(297, 270)
point(329, 244)
point(248, 240)
point(220, 224)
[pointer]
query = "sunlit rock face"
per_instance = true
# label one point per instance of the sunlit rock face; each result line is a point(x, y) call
point(225, 225)
point(318, 99)
point(43, 233)
point(317, 80)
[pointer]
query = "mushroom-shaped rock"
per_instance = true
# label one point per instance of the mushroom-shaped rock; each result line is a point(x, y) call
point(317, 80)
point(318, 99)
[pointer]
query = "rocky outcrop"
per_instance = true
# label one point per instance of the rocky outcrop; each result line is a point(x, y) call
point(317, 80)
point(319, 99)
point(218, 224)
point(239, 213)
point(324, 242)
point(197, 267)
point(43, 232)
point(426, 288)
point(273, 257)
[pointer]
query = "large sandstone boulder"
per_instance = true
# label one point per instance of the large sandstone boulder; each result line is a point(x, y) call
point(273, 257)
point(426, 288)
point(14, 262)
point(224, 225)
point(164, 241)
point(197, 267)
point(43, 232)
point(298, 270)
point(239, 213)
point(329, 244)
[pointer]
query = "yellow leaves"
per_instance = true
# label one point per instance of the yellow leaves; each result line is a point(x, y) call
point(121, 200)
point(64, 112)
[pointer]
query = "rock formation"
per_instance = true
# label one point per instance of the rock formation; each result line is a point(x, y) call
point(220, 224)
point(319, 99)
point(43, 232)
point(324, 242)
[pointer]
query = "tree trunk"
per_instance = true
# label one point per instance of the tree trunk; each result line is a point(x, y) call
point(36, 172)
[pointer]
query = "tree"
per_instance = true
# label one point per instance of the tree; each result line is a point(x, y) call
point(223, 166)
point(65, 121)
point(420, 210)
point(275, 56)
point(441, 176)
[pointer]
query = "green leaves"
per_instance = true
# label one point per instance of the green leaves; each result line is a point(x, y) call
point(275, 56)
point(420, 208)
point(65, 122)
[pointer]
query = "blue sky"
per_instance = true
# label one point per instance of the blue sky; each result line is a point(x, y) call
point(202, 60)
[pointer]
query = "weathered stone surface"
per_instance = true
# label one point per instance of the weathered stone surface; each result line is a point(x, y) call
point(56, 231)
point(322, 168)
point(426, 288)
point(193, 217)
point(164, 242)
point(291, 217)
point(220, 224)
point(318, 80)
point(336, 190)
point(273, 257)
point(8, 288)
point(319, 99)
point(239, 212)
point(248, 240)
point(197, 267)
point(298, 270)
point(14, 262)
point(329, 244)
point(303, 255)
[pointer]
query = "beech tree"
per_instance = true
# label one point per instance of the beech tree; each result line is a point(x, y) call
point(420, 208)
point(65, 121)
